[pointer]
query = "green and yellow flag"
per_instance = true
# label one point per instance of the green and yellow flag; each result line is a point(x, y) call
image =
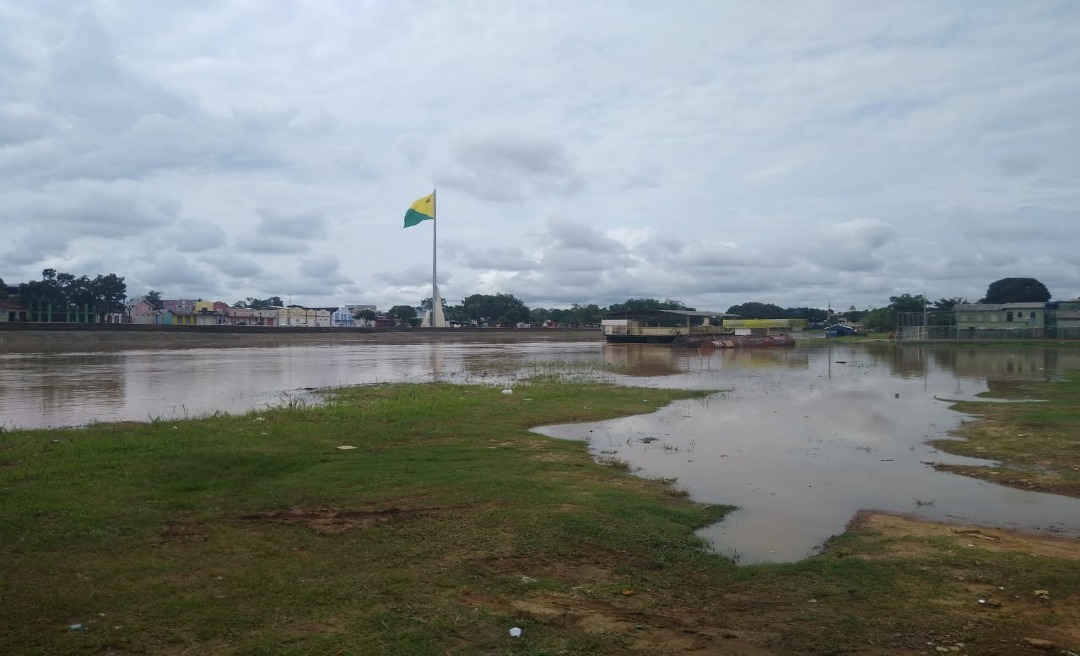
point(422, 210)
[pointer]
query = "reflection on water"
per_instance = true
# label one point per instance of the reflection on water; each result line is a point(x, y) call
point(800, 438)
point(69, 389)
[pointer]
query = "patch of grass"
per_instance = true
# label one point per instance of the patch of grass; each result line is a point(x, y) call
point(1035, 437)
point(447, 524)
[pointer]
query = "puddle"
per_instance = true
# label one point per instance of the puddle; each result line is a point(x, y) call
point(802, 441)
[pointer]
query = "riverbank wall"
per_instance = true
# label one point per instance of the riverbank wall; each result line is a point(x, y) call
point(68, 336)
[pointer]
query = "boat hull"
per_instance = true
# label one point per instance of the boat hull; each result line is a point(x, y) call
point(731, 341)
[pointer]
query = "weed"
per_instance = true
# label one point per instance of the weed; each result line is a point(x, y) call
point(618, 464)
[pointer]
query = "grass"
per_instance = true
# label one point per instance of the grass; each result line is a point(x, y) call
point(1035, 437)
point(447, 525)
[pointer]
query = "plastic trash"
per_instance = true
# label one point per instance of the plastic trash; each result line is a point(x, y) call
point(515, 632)
point(346, 447)
point(77, 627)
point(508, 391)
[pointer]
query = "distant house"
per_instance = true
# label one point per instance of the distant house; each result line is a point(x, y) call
point(1027, 319)
point(141, 311)
point(1064, 320)
point(12, 310)
point(190, 318)
point(342, 318)
point(243, 316)
point(178, 305)
point(305, 317)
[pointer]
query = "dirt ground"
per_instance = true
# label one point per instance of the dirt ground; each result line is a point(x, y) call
point(990, 539)
point(756, 618)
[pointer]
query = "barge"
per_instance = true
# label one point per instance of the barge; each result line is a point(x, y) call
point(697, 329)
point(660, 326)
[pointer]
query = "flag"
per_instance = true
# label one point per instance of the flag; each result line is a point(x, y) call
point(422, 210)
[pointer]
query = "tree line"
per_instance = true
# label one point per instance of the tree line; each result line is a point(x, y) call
point(66, 297)
point(69, 296)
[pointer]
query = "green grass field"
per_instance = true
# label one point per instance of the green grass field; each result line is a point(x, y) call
point(446, 525)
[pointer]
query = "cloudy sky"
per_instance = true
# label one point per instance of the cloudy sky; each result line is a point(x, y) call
point(717, 152)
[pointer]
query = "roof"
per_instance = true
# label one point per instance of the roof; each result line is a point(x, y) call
point(987, 307)
point(641, 314)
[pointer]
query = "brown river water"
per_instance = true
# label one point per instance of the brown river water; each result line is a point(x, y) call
point(799, 439)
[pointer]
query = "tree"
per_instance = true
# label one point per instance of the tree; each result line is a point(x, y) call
point(758, 311)
point(153, 297)
point(366, 315)
point(907, 303)
point(65, 293)
point(632, 304)
point(880, 320)
point(812, 315)
point(3, 290)
point(942, 311)
point(261, 303)
point(497, 309)
point(107, 293)
point(1016, 290)
point(947, 304)
point(425, 304)
point(402, 313)
point(456, 313)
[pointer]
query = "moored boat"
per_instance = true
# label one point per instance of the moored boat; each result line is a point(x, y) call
point(731, 341)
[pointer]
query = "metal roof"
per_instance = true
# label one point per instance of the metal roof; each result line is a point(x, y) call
point(975, 307)
point(680, 313)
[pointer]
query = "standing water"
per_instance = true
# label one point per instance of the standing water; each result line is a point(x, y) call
point(799, 439)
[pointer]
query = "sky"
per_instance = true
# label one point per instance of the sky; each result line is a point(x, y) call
point(817, 153)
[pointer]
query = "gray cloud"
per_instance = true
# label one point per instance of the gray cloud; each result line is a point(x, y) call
point(89, 84)
point(510, 167)
point(563, 233)
point(234, 266)
point(301, 224)
point(1017, 165)
point(196, 237)
point(800, 155)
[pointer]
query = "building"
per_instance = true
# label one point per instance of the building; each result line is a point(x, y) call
point(142, 311)
point(305, 317)
point(342, 318)
point(1001, 320)
point(1063, 320)
point(764, 327)
point(659, 326)
point(10, 310)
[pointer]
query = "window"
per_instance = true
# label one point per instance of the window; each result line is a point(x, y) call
point(1008, 317)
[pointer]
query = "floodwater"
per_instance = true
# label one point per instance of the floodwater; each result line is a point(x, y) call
point(805, 438)
point(58, 388)
point(799, 439)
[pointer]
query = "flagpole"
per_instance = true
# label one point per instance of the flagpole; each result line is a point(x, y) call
point(434, 231)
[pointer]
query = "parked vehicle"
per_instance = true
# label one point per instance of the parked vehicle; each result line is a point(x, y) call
point(840, 330)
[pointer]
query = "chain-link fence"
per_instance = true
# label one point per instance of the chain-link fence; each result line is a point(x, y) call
point(924, 326)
